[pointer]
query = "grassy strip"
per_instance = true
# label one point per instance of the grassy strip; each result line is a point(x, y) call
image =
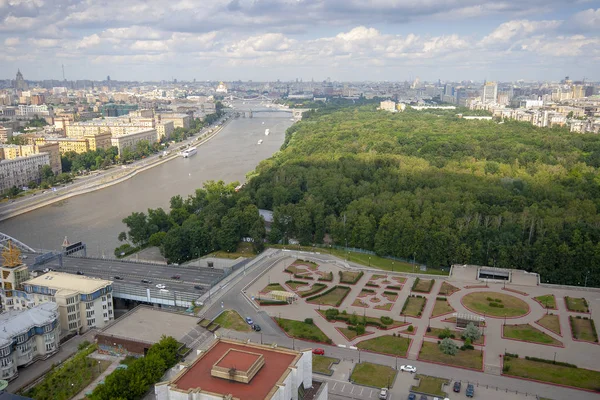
point(296, 284)
point(583, 329)
point(387, 344)
point(334, 296)
point(553, 373)
point(577, 304)
point(322, 364)
point(528, 333)
point(447, 289)
point(314, 289)
point(230, 319)
point(423, 285)
point(373, 375)
point(413, 306)
point(547, 300)
point(550, 322)
point(302, 330)
point(350, 277)
point(271, 287)
point(464, 358)
point(495, 304)
point(441, 307)
point(454, 334)
point(430, 385)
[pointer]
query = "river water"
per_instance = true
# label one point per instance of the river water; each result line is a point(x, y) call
point(96, 218)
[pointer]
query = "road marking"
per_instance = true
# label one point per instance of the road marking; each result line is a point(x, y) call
point(334, 385)
point(370, 394)
point(352, 390)
point(361, 391)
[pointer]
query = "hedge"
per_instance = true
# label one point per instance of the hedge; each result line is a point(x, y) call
point(351, 282)
point(543, 360)
point(327, 278)
point(314, 289)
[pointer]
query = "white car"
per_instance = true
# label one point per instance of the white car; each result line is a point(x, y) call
point(164, 291)
point(160, 286)
point(408, 368)
point(383, 394)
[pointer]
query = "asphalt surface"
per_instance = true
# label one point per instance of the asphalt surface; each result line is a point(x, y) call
point(133, 272)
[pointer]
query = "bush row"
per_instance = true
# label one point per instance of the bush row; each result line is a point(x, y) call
point(317, 287)
point(369, 284)
point(441, 298)
point(350, 281)
point(394, 287)
point(327, 278)
point(416, 283)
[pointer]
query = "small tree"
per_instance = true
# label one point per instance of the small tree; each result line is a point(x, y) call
point(447, 346)
point(471, 332)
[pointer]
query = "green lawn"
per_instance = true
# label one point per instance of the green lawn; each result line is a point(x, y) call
point(430, 385)
point(582, 329)
point(457, 334)
point(441, 307)
point(447, 289)
point(314, 289)
point(350, 277)
point(302, 330)
point(271, 287)
point(230, 319)
point(296, 284)
point(322, 364)
point(423, 286)
point(309, 264)
point(349, 334)
point(333, 298)
point(413, 306)
point(478, 302)
point(576, 304)
point(529, 333)
point(390, 296)
point(547, 372)
point(373, 375)
point(388, 344)
point(550, 322)
point(468, 358)
point(244, 249)
point(547, 300)
point(369, 260)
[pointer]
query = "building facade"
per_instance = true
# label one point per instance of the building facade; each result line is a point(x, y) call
point(179, 120)
point(22, 170)
point(12, 275)
point(83, 302)
point(27, 336)
point(5, 134)
point(130, 140)
point(490, 93)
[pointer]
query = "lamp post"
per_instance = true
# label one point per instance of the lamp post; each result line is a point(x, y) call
point(369, 261)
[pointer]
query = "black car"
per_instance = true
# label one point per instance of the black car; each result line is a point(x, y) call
point(256, 327)
point(176, 277)
point(146, 281)
point(118, 278)
point(80, 273)
point(423, 397)
point(457, 387)
point(412, 396)
point(198, 287)
point(470, 392)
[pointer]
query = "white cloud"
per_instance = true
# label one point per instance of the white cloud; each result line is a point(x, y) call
point(151, 46)
point(512, 30)
point(11, 41)
point(586, 20)
point(45, 43)
point(88, 41)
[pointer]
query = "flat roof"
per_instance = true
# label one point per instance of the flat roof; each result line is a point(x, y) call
point(198, 375)
point(240, 360)
point(63, 281)
point(149, 324)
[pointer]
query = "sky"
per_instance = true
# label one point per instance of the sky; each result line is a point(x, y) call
point(266, 40)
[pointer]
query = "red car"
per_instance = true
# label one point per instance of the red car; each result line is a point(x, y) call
point(319, 351)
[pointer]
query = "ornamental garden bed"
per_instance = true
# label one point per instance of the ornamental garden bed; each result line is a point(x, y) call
point(495, 304)
point(441, 307)
point(323, 364)
point(430, 385)
point(271, 287)
point(384, 306)
point(360, 303)
point(472, 359)
point(374, 375)
point(391, 296)
point(577, 304)
point(550, 322)
point(350, 333)
point(447, 289)
point(302, 330)
point(548, 371)
point(547, 301)
point(293, 269)
point(528, 333)
point(414, 305)
point(583, 329)
point(440, 333)
point(314, 289)
point(366, 292)
point(350, 277)
point(384, 322)
point(423, 285)
point(387, 344)
point(334, 296)
point(305, 263)
point(294, 285)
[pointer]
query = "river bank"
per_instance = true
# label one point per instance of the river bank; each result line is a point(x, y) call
point(115, 177)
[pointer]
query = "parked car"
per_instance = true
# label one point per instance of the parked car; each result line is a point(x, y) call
point(412, 396)
point(146, 281)
point(176, 277)
point(118, 278)
point(198, 287)
point(318, 351)
point(457, 385)
point(383, 394)
point(249, 321)
point(160, 286)
point(408, 368)
point(256, 327)
point(423, 397)
point(80, 273)
point(470, 392)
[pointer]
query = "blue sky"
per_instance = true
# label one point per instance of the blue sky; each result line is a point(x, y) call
point(286, 39)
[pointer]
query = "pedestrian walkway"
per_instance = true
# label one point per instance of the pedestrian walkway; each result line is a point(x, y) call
point(115, 363)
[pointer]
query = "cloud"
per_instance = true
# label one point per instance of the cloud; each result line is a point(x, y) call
point(515, 30)
point(588, 20)
point(11, 41)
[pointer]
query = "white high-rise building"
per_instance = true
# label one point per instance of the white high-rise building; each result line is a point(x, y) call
point(490, 93)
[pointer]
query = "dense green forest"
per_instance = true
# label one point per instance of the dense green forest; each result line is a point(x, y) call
point(440, 188)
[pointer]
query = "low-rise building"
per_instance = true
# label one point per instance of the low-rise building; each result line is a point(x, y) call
point(388, 105)
point(22, 170)
point(131, 139)
point(27, 336)
point(179, 120)
point(36, 146)
point(13, 272)
point(5, 134)
point(83, 302)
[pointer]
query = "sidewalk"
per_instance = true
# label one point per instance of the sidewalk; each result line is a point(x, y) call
point(115, 363)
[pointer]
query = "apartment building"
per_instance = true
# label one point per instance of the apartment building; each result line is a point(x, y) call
point(22, 170)
point(83, 302)
point(36, 146)
point(27, 336)
point(5, 134)
point(131, 139)
point(179, 120)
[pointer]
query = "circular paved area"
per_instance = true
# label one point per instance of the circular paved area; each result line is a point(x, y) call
point(509, 306)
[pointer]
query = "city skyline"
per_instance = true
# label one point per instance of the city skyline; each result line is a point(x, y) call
point(307, 39)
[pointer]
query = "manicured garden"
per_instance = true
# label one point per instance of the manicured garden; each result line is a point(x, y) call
point(464, 358)
point(441, 307)
point(322, 364)
point(554, 373)
point(528, 333)
point(547, 301)
point(423, 285)
point(350, 332)
point(441, 333)
point(413, 307)
point(302, 330)
point(230, 319)
point(332, 297)
point(583, 329)
point(431, 385)
point(388, 344)
point(551, 322)
point(576, 304)
point(495, 304)
point(350, 277)
point(447, 289)
point(314, 289)
point(271, 287)
point(373, 375)
point(294, 285)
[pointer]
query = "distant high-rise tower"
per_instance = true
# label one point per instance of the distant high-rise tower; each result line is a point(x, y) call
point(490, 93)
point(20, 83)
point(108, 78)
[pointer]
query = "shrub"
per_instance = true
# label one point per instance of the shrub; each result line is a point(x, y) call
point(309, 321)
point(498, 300)
point(543, 360)
point(410, 328)
point(512, 355)
point(506, 368)
point(386, 320)
point(327, 278)
point(441, 298)
point(428, 329)
point(447, 346)
point(489, 299)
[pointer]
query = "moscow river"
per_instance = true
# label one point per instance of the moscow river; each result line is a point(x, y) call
point(95, 218)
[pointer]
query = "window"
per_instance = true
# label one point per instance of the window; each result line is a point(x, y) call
point(104, 306)
point(7, 362)
point(49, 347)
point(89, 314)
point(89, 305)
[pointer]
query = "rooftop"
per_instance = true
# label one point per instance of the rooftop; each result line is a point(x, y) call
point(277, 361)
point(149, 324)
point(14, 323)
point(64, 281)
